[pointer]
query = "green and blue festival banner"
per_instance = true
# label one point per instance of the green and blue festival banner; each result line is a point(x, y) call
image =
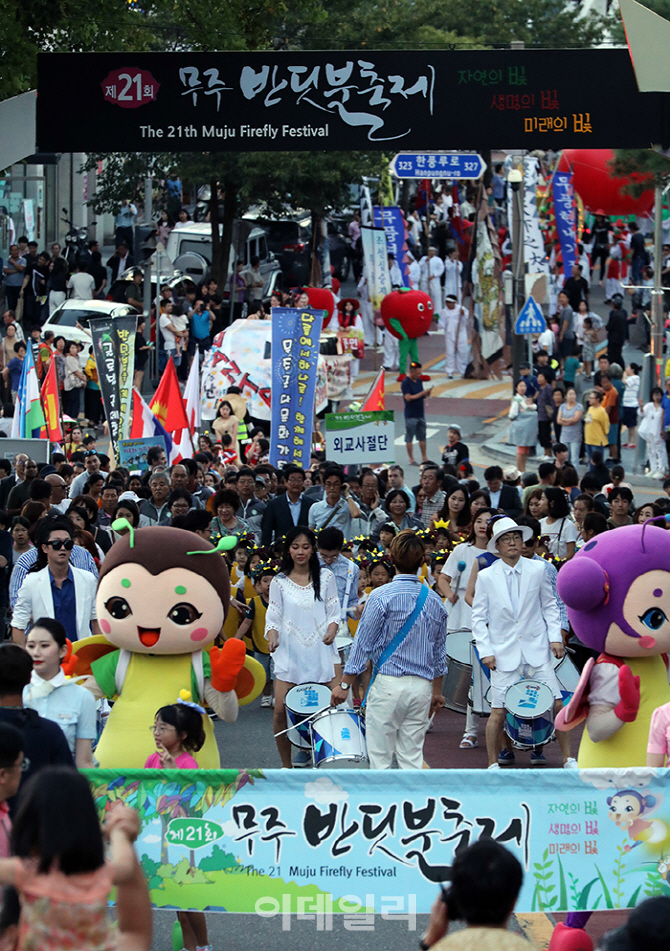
point(28, 421)
point(357, 842)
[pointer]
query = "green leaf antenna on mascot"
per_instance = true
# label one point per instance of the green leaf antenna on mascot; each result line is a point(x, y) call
point(163, 595)
point(408, 315)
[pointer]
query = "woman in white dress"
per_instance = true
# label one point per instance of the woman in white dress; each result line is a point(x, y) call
point(301, 622)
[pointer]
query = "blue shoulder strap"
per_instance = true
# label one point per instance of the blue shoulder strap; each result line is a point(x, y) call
point(391, 648)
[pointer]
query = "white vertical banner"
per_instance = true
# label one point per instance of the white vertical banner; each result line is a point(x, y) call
point(375, 253)
point(533, 243)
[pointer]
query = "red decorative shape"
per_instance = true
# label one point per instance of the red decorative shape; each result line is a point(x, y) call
point(412, 309)
point(129, 88)
point(321, 298)
point(598, 188)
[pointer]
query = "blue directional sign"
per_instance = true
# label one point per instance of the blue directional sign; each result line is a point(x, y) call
point(438, 165)
point(531, 319)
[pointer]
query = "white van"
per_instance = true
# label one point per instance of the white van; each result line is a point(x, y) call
point(189, 246)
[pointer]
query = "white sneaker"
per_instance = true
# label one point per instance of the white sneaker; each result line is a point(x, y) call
point(266, 701)
point(570, 763)
point(301, 759)
point(494, 766)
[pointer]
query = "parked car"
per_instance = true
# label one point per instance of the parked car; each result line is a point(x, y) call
point(71, 320)
point(190, 249)
point(290, 238)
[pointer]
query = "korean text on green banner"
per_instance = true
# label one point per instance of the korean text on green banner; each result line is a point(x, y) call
point(114, 354)
point(280, 842)
point(360, 438)
point(295, 354)
point(126, 328)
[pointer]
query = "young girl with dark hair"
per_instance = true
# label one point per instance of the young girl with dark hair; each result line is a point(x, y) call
point(178, 732)
point(560, 529)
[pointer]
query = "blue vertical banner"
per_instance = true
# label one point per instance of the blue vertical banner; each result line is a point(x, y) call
point(295, 354)
point(393, 223)
point(566, 218)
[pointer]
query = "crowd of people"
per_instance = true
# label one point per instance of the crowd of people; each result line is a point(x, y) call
point(590, 416)
point(317, 553)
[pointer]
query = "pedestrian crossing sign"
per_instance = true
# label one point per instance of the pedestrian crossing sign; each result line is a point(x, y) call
point(530, 319)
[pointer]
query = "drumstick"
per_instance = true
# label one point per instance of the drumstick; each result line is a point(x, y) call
point(304, 720)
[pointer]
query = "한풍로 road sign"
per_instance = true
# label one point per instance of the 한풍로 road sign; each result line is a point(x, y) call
point(531, 319)
point(438, 165)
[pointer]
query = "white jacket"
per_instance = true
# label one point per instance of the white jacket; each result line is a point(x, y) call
point(500, 632)
point(35, 600)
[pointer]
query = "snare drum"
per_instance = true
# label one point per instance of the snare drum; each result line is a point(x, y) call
point(458, 678)
point(301, 702)
point(338, 740)
point(529, 717)
point(343, 644)
point(567, 676)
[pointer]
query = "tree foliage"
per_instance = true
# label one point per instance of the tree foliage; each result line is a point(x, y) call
point(642, 169)
point(81, 26)
point(428, 24)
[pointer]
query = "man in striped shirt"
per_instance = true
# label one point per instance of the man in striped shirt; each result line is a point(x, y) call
point(408, 687)
point(430, 483)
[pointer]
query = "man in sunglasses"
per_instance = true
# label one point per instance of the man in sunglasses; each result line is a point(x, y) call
point(54, 588)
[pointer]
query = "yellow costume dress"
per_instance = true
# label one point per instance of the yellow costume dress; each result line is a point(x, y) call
point(127, 739)
point(628, 746)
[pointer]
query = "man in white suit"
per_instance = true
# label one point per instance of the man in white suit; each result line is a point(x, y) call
point(54, 588)
point(517, 627)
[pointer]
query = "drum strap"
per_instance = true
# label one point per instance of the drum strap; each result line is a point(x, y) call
point(345, 600)
point(398, 639)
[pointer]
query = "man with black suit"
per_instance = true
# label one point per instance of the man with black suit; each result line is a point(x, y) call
point(19, 474)
point(120, 261)
point(285, 511)
point(504, 497)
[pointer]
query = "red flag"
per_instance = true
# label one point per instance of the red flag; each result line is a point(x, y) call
point(168, 403)
point(375, 399)
point(51, 404)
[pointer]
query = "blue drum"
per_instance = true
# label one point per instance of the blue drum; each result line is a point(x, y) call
point(338, 740)
point(302, 702)
point(529, 716)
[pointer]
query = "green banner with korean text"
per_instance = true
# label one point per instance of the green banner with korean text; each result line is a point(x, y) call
point(360, 438)
point(357, 842)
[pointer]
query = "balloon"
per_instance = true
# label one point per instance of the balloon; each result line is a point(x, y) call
point(413, 310)
point(597, 187)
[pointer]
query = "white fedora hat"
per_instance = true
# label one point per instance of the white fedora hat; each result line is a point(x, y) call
point(502, 526)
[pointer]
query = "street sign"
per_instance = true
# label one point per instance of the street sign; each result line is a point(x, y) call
point(438, 165)
point(531, 319)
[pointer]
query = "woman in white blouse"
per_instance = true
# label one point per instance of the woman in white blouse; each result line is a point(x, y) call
point(301, 622)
